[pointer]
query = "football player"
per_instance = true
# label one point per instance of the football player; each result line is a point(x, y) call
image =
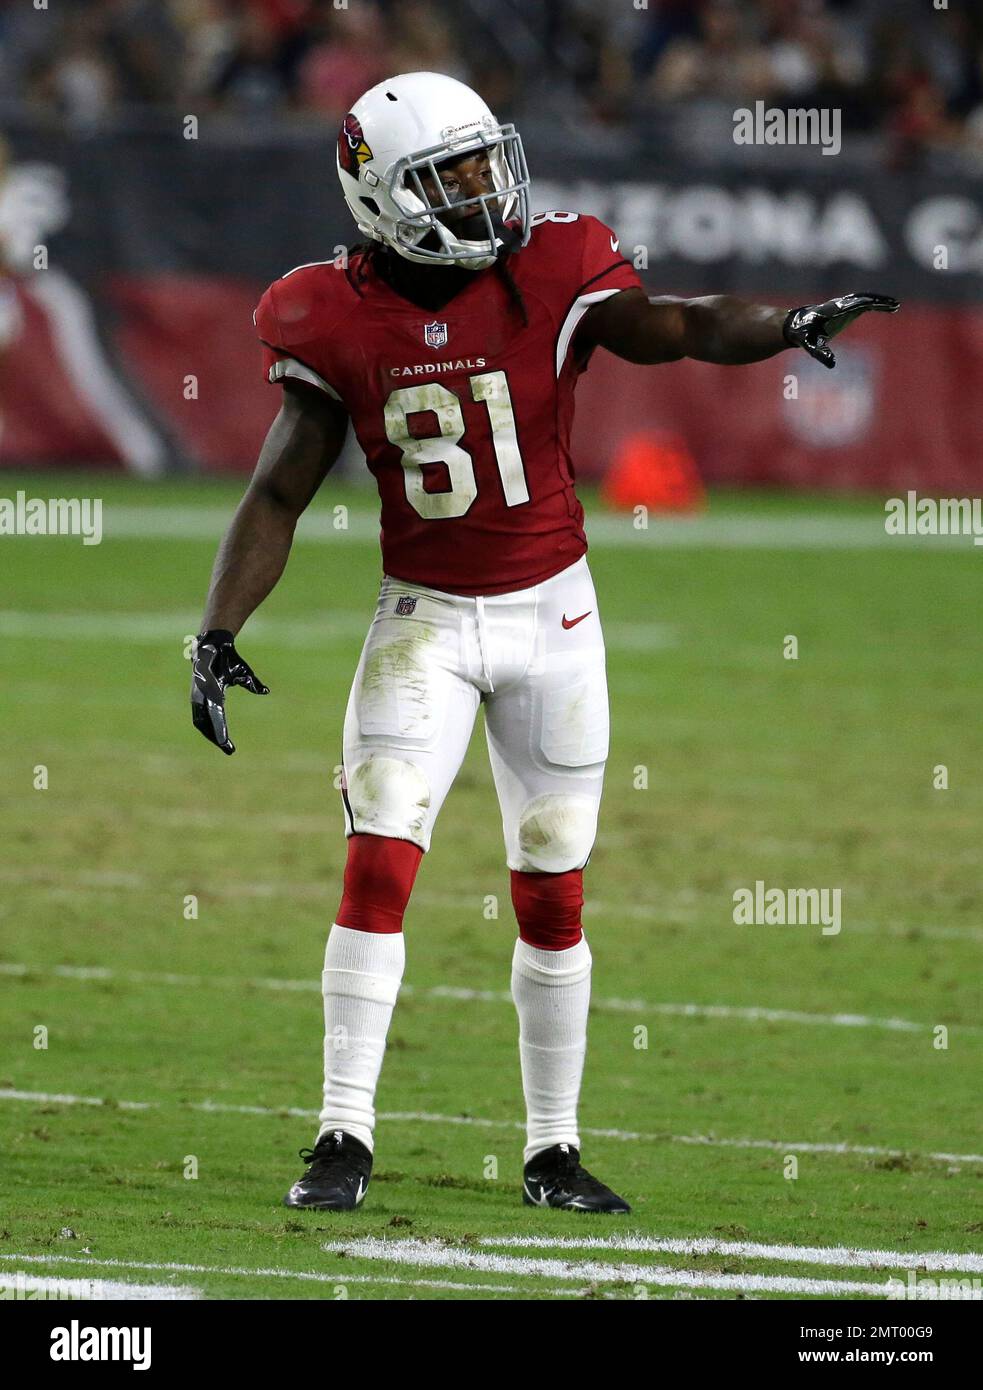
point(452, 339)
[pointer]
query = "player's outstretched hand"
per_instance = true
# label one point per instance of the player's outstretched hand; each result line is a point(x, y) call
point(812, 326)
point(216, 666)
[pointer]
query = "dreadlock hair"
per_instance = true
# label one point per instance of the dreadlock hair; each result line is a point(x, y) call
point(365, 249)
point(515, 294)
point(374, 255)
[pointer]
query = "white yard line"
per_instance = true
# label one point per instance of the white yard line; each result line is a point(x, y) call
point(238, 1271)
point(839, 1255)
point(748, 1014)
point(17, 1284)
point(434, 1254)
point(66, 1098)
point(634, 1007)
point(150, 977)
point(210, 1107)
point(308, 634)
point(725, 531)
point(754, 531)
point(51, 882)
point(156, 628)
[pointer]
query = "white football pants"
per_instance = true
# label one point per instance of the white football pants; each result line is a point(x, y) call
point(535, 659)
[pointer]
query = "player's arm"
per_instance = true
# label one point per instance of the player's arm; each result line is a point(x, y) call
point(303, 443)
point(718, 327)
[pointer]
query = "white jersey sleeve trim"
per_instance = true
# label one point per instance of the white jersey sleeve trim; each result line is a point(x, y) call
point(335, 261)
point(577, 311)
point(289, 366)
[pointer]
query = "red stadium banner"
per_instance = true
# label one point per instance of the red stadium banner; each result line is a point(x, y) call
point(188, 350)
point(791, 422)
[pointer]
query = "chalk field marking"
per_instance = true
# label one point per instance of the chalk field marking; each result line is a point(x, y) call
point(731, 531)
point(156, 628)
point(843, 1256)
point(434, 1254)
point(751, 1014)
point(211, 1107)
point(305, 634)
point(240, 1272)
point(635, 1007)
point(87, 1290)
point(54, 884)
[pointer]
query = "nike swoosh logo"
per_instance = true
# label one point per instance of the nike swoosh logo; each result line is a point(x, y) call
point(572, 622)
point(615, 243)
point(541, 1200)
point(362, 1186)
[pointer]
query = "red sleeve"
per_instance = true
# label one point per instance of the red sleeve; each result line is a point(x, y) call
point(603, 272)
point(602, 265)
point(268, 327)
point(279, 360)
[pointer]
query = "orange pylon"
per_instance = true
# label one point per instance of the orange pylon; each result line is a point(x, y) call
point(656, 471)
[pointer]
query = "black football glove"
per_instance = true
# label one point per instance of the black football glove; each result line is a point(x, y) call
point(216, 666)
point(812, 326)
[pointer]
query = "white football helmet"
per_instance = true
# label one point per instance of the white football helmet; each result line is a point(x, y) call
point(408, 125)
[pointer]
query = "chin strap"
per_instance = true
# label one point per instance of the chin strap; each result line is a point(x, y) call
point(507, 238)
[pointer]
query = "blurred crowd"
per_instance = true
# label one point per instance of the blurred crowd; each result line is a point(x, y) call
point(904, 70)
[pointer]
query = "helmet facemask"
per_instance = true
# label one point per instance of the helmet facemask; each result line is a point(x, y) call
point(507, 200)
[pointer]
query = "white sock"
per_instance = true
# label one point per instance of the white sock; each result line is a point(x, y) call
point(362, 974)
point(551, 990)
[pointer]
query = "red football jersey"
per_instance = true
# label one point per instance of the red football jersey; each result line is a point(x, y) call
point(463, 413)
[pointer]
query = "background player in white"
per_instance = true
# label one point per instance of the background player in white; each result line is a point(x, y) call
point(453, 340)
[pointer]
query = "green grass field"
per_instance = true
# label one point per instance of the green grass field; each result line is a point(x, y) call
point(170, 1038)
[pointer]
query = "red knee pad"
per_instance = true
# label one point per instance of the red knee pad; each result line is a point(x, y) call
point(548, 908)
point(379, 875)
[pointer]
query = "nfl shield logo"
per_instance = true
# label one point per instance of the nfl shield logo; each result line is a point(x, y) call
point(405, 605)
point(835, 414)
point(435, 334)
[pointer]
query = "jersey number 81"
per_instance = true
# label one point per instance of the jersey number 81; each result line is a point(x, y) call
point(444, 447)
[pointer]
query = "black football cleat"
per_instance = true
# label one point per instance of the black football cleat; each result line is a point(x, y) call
point(337, 1176)
point(554, 1178)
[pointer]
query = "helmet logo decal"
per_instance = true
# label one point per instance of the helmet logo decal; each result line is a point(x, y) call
point(486, 123)
point(435, 334)
point(353, 152)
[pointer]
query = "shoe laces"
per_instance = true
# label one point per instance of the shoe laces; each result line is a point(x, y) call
point(568, 1162)
point(569, 1167)
point(327, 1148)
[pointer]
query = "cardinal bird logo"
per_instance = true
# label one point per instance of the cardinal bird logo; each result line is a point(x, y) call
point(352, 149)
